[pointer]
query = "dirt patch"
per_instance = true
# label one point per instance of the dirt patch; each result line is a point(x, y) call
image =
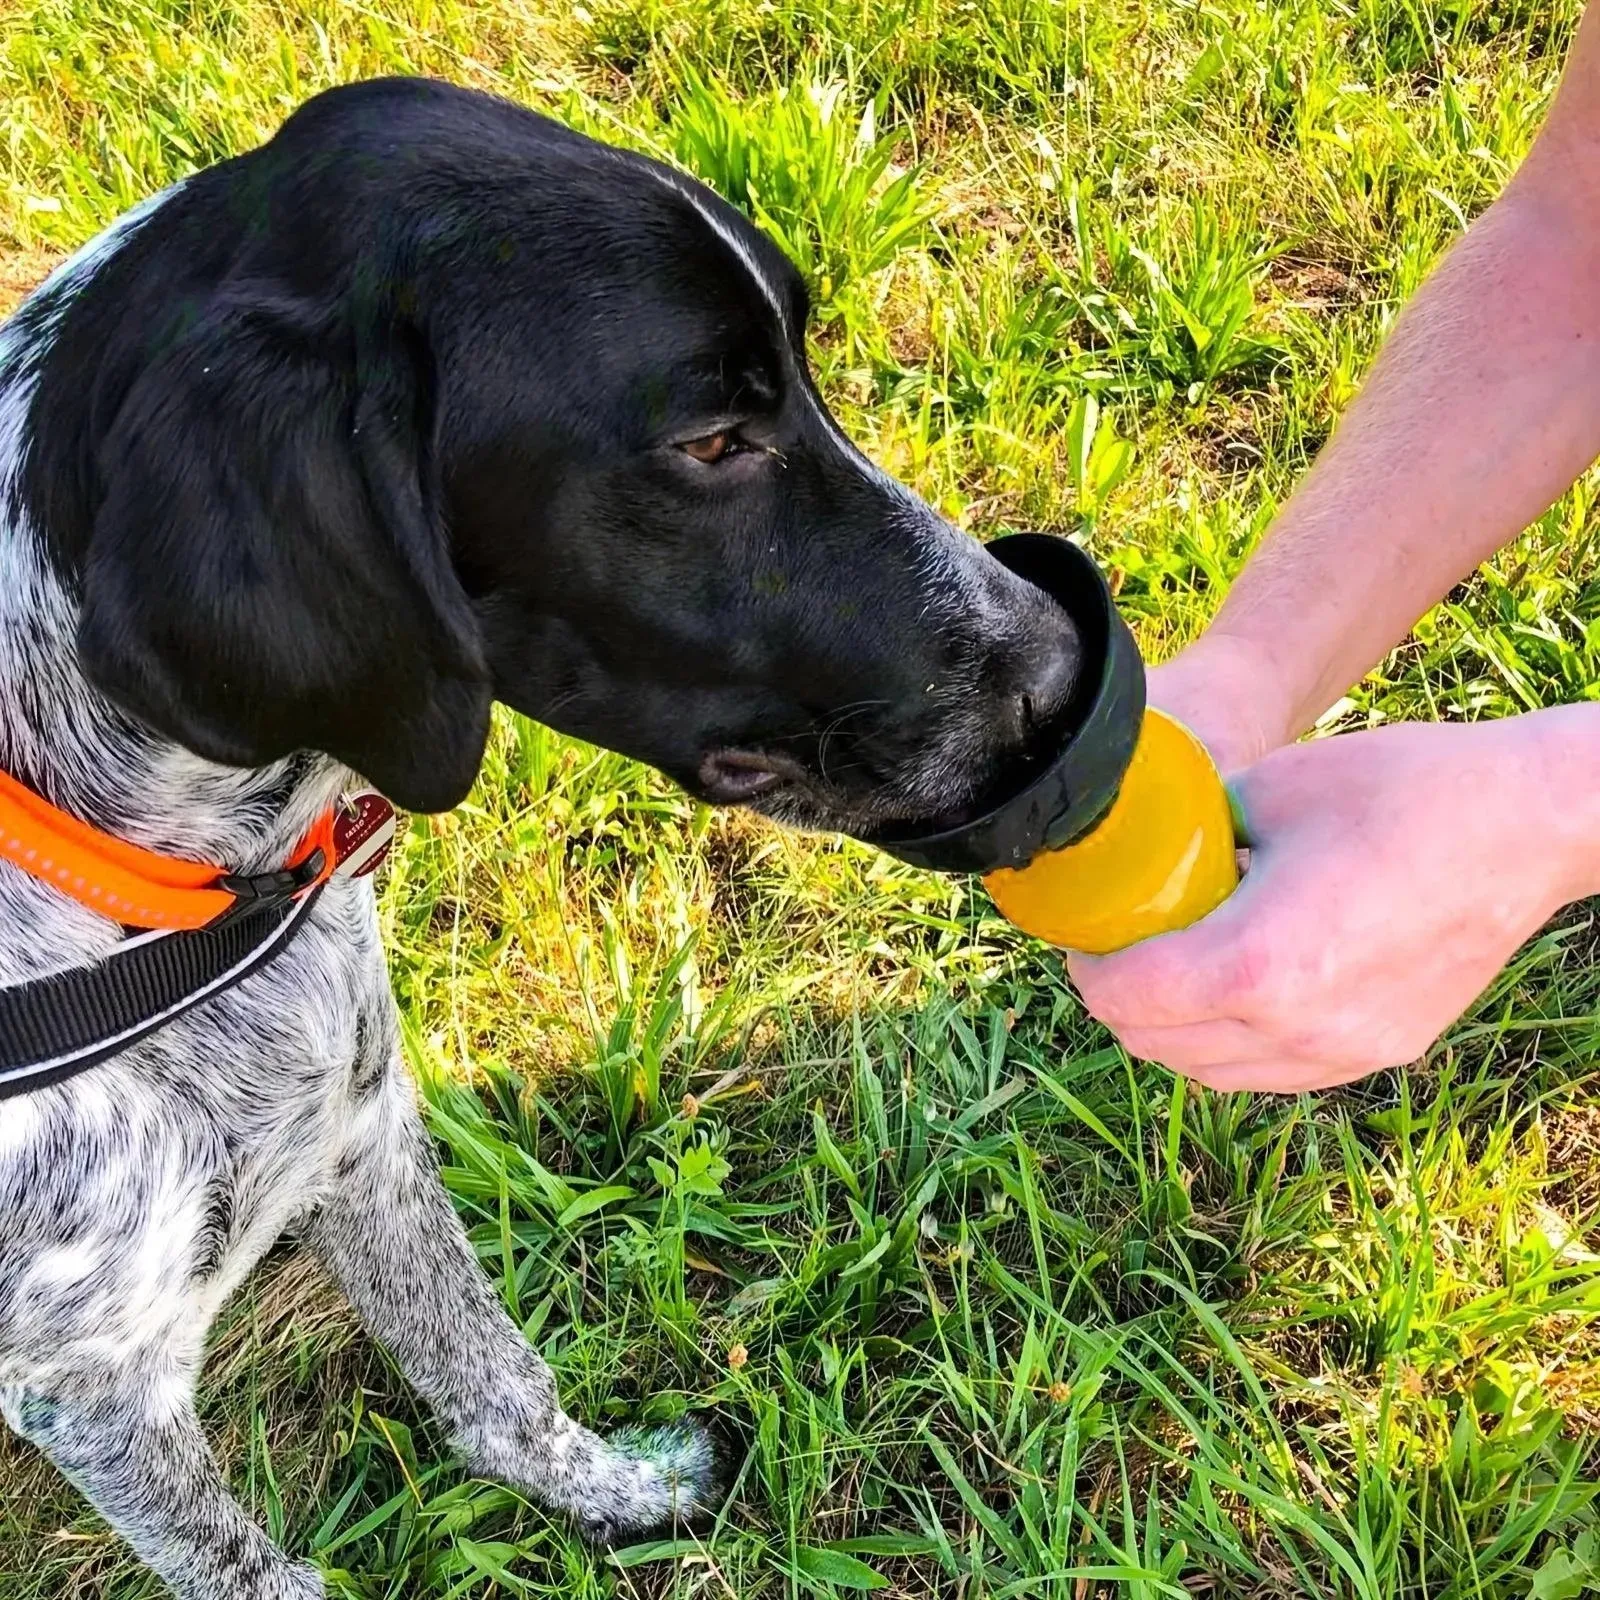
point(1572, 1157)
point(20, 271)
point(1314, 285)
point(1229, 441)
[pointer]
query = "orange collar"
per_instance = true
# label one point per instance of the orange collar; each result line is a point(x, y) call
point(142, 889)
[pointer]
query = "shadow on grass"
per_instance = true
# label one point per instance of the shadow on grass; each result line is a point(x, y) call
point(979, 1306)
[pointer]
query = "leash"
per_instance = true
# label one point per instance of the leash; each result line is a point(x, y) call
point(199, 930)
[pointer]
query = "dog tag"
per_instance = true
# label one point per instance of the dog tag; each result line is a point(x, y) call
point(363, 830)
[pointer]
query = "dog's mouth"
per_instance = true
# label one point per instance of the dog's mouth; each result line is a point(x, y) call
point(789, 791)
point(964, 806)
point(742, 777)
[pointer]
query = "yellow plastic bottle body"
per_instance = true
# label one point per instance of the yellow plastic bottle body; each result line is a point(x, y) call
point(1160, 859)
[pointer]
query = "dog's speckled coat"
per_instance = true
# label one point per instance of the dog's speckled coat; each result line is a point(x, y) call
point(329, 449)
point(134, 1199)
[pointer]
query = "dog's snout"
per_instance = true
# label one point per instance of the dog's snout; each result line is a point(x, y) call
point(1032, 678)
point(1045, 686)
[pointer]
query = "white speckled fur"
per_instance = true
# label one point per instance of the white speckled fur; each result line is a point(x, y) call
point(136, 1197)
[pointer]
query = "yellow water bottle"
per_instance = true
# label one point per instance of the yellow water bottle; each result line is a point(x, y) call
point(1127, 830)
point(1160, 858)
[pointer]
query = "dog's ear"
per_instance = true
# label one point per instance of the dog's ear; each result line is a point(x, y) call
point(269, 570)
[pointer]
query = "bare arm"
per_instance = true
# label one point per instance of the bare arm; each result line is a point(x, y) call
point(1482, 409)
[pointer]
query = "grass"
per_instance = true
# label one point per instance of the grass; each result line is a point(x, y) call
point(773, 1131)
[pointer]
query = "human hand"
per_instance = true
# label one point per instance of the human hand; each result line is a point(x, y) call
point(1392, 874)
point(1226, 692)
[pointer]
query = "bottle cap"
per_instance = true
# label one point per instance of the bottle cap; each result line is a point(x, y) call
point(1068, 793)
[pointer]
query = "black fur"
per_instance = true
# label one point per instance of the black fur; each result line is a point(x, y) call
point(379, 425)
point(301, 467)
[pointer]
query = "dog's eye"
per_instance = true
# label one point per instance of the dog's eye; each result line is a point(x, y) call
point(712, 448)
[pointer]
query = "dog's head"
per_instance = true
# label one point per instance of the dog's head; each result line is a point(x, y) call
point(430, 402)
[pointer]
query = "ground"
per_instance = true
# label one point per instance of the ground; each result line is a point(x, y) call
point(774, 1132)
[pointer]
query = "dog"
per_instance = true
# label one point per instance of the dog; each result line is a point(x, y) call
point(428, 402)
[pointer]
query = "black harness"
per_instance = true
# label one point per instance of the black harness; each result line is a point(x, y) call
point(66, 1022)
point(62, 1023)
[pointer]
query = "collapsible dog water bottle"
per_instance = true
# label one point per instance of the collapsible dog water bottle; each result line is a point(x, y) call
point(1126, 831)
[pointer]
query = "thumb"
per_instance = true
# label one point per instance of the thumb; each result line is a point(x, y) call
point(1195, 974)
point(1235, 789)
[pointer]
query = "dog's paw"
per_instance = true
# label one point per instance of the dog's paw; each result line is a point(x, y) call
point(658, 1478)
point(301, 1582)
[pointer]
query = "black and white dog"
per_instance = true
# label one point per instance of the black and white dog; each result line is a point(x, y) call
point(426, 403)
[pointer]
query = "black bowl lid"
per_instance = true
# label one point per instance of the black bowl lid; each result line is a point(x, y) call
point(1067, 796)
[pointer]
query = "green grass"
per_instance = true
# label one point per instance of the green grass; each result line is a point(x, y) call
point(984, 1309)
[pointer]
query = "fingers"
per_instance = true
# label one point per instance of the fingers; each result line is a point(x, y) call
point(1280, 1076)
point(1231, 1056)
point(1202, 974)
point(1193, 1046)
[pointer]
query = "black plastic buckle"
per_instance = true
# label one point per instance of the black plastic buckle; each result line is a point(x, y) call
point(259, 890)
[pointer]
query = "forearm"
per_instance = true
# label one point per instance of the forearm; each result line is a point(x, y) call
point(1559, 820)
point(1482, 409)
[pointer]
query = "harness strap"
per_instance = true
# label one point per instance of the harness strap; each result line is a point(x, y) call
point(210, 929)
point(66, 1022)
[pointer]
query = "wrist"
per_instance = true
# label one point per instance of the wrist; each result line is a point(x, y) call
point(1229, 692)
point(1562, 767)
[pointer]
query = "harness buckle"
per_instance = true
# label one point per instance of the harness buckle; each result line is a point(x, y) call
point(255, 890)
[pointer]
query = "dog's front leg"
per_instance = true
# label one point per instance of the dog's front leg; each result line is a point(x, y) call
point(130, 1440)
point(392, 1238)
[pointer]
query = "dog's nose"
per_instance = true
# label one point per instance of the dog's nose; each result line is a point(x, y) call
point(1043, 688)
